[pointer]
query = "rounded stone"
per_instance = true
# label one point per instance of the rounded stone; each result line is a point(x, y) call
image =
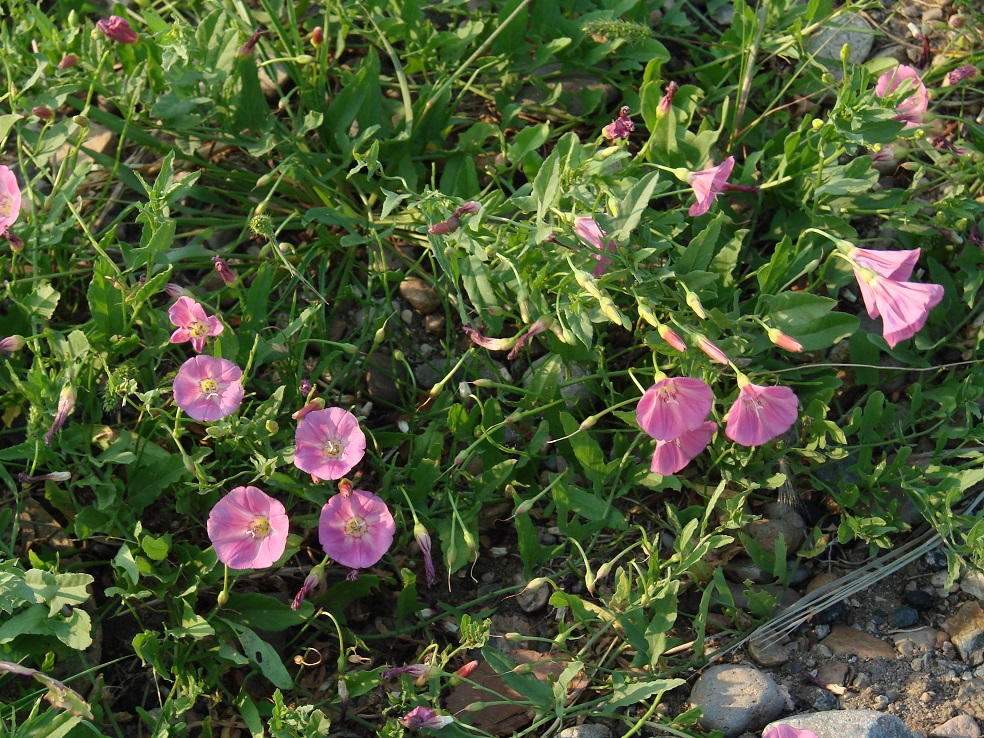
point(852, 723)
point(735, 698)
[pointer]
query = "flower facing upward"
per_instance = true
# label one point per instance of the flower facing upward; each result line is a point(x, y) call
point(761, 413)
point(673, 406)
point(621, 127)
point(356, 529)
point(672, 455)
point(248, 529)
point(425, 718)
point(208, 388)
point(328, 443)
point(912, 108)
point(10, 199)
point(708, 184)
point(193, 324)
point(589, 232)
point(781, 730)
point(118, 29)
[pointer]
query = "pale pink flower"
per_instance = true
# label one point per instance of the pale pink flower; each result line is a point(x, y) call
point(621, 127)
point(761, 413)
point(708, 184)
point(328, 443)
point(889, 264)
point(12, 343)
point(10, 199)
point(248, 529)
point(673, 454)
point(589, 232)
point(66, 404)
point(711, 349)
point(208, 388)
point(673, 406)
point(193, 324)
point(425, 718)
point(781, 730)
point(419, 672)
point(912, 108)
point(118, 29)
point(784, 341)
point(356, 529)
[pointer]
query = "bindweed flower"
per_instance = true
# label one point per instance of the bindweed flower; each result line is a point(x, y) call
point(317, 37)
point(975, 236)
point(248, 529)
point(208, 389)
point(328, 443)
point(419, 672)
point(666, 102)
point(708, 184)
point(671, 337)
point(445, 226)
point(424, 542)
point(538, 327)
point(621, 127)
point(66, 404)
point(356, 529)
point(10, 199)
point(118, 29)
point(674, 454)
point(68, 61)
point(761, 413)
point(193, 324)
point(784, 341)
point(247, 48)
point(589, 232)
point(16, 243)
point(314, 579)
point(313, 404)
point(466, 671)
point(175, 290)
point(914, 106)
point(305, 388)
point(469, 208)
point(25, 478)
point(673, 406)
point(955, 76)
point(492, 344)
point(425, 718)
point(42, 112)
point(222, 267)
point(711, 349)
point(781, 730)
point(13, 343)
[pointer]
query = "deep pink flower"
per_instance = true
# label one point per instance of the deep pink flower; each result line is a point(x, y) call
point(10, 199)
point(711, 349)
point(673, 406)
point(222, 267)
point(208, 388)
point(118, 29)
point(248, 529)
point(193, 324)
point(673, 454)
point(761, 413)
point(589, 232)
point(328, 443)
point(781, 730)
point(356, 529)
point(708, 184)
point(424, 718)
point(621, 127)
point(889, 264)
point(912, 108)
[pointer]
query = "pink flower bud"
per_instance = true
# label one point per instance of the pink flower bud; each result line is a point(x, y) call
point(25, 478)
point(959, 74)
point(713, 351)
point(66, 403)
point(425, 718)
point(16, 242)
point(471, 207)
point(68, 61)
point(317, 37)
point(305, 387)
point(315, 404)
point(247, 48)
point(222, 267)
point(672, 338)
point(12, 343)
point(42, 112)
point(621, 127)
point(782, 340)
point(424, 542)
point(465, 671)
point(445, 226)
point(118, 29)
point(174, 290)
point(312, 580)
point(666, 102)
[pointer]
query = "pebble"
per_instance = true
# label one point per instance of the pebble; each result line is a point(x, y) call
point(420, 294)
point(961, 726)
point(587, 730)
point(852, 723)
point(742, 570)
point(966, 629)
point(919, 599)
point(735, 698)
point(935, 559)
point(406, 316)
point(920, 640)
point(822, 631)
point(833, 673)
point(904, 617)
point(932, 14)
point(846, 641)
point(766, 533)
point(970, 698)
point(532, 600)
point(973, 584)
point(435, 323)
point(767, 651)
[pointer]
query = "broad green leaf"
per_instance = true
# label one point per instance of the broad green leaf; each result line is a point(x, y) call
point(59, 590)
point(263, 612)
point(809, 319)
point(263, 655)
point(627, 692)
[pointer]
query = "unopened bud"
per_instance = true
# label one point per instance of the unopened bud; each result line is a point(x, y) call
point(693, 302)
point(781, 340)
point(317, 37)
point(12, 343)
point(672, 338)
point(587, 283)
point(524, 507)
point(845, 53)
point(272, 426)
point(247, 48)
point(68, 61)
point(666, 102)
point(42, 112)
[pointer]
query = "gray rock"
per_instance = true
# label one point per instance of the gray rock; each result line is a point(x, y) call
point(532, 600)
point(742, 570)
point(904, 617)
point(852, 30)
point(587, 730)
point(852, 723)
point(970, 698)
point(962, 726)
point(766, 534)
point(966, 630)
point(733, 699)
point(420, 294)
point(973, 584)
point(767, 652)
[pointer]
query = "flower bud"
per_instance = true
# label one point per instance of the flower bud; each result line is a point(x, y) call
point(712, 350)
point(247, 48)
point(118, 29)
point(42, 112)
point(317, 37)
point(222, 267)
point(672, 338)
point(781, 340)
point(16, 242)
point(424, 542)
point(445, 226)
point(175, 290)
point(12, 343)
point(465, 671)
point(693, 302)
point(25, 478)
point(312, 580)
point(666, 102)
point(68, 61)
point(66, 404)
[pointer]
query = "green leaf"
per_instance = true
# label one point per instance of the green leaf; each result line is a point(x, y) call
point(42, 301)
point(809, 319)
point(528, 139)
point(263, 612)
point(627, 692)
point(263, 655)
point(59, 590)
point(537, 692)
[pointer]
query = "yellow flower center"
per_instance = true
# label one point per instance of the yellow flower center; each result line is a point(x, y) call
point(356, 527)
point(259, 528)
point(210, 388)
point(199, 330)
point(333, 449)
point(6, 201)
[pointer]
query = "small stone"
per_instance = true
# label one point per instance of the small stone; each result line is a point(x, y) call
point(919, 599)
point(766, 533)
point(932, 15)
point(532, 600)
point(973, 584)
point(845, 641)
point(935, 559)
point(406, 316)
point(904, 617)
point(742, 570)
point(833, 673)
point(435, 323)
point(961, 726)
point(420, 294)
point(822, 651)
point(970, 698)
point(767, 652)
point(833, 614)
point(966, 629)
point(822, 631)
point(736, 698)
point(587, 730)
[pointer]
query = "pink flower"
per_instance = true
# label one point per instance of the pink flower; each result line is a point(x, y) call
point(959, 74)
point(208, 388)
point(66, 404)
point(912, 108)
point(708, 184)
point(889, 264)
point(781, 730)
point(621, 127)
point(12, 343)
point(68, 61)
point(761, 413)
point(673, 406)
point(672, 338)
point(328, 443)
point(193, 324)
point(589, 232)
point(666, 102)
point(314, 579)
point(784, 341)
point(424, 542)
point(711, 349)
point(248, 529)
point(222, 267)
point(118, 29)
point(424, 718)
point(673, 454)
point(356, 529)
point(10, 199)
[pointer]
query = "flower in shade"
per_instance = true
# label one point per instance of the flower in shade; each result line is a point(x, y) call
point(621, 127)
point(222, 267)
point(328, 443)
point(424, 718)
point(12, 343)
point(781, 730)
point(192, 322)
point(248, 529)
point(589, 232)
point(10, 199)
point(62, 476)
point(312, 580)
point(666, 102)
point(761, 413)
point(419, 672)
point(673, 406)
point(208, 388)
point(118, 29)
point(711, 349)
point(673, 454)
point(708, 184)
point(967, 71)
point(424, 542)
point(912, 108)
point(356, 529)
point(66, 404)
